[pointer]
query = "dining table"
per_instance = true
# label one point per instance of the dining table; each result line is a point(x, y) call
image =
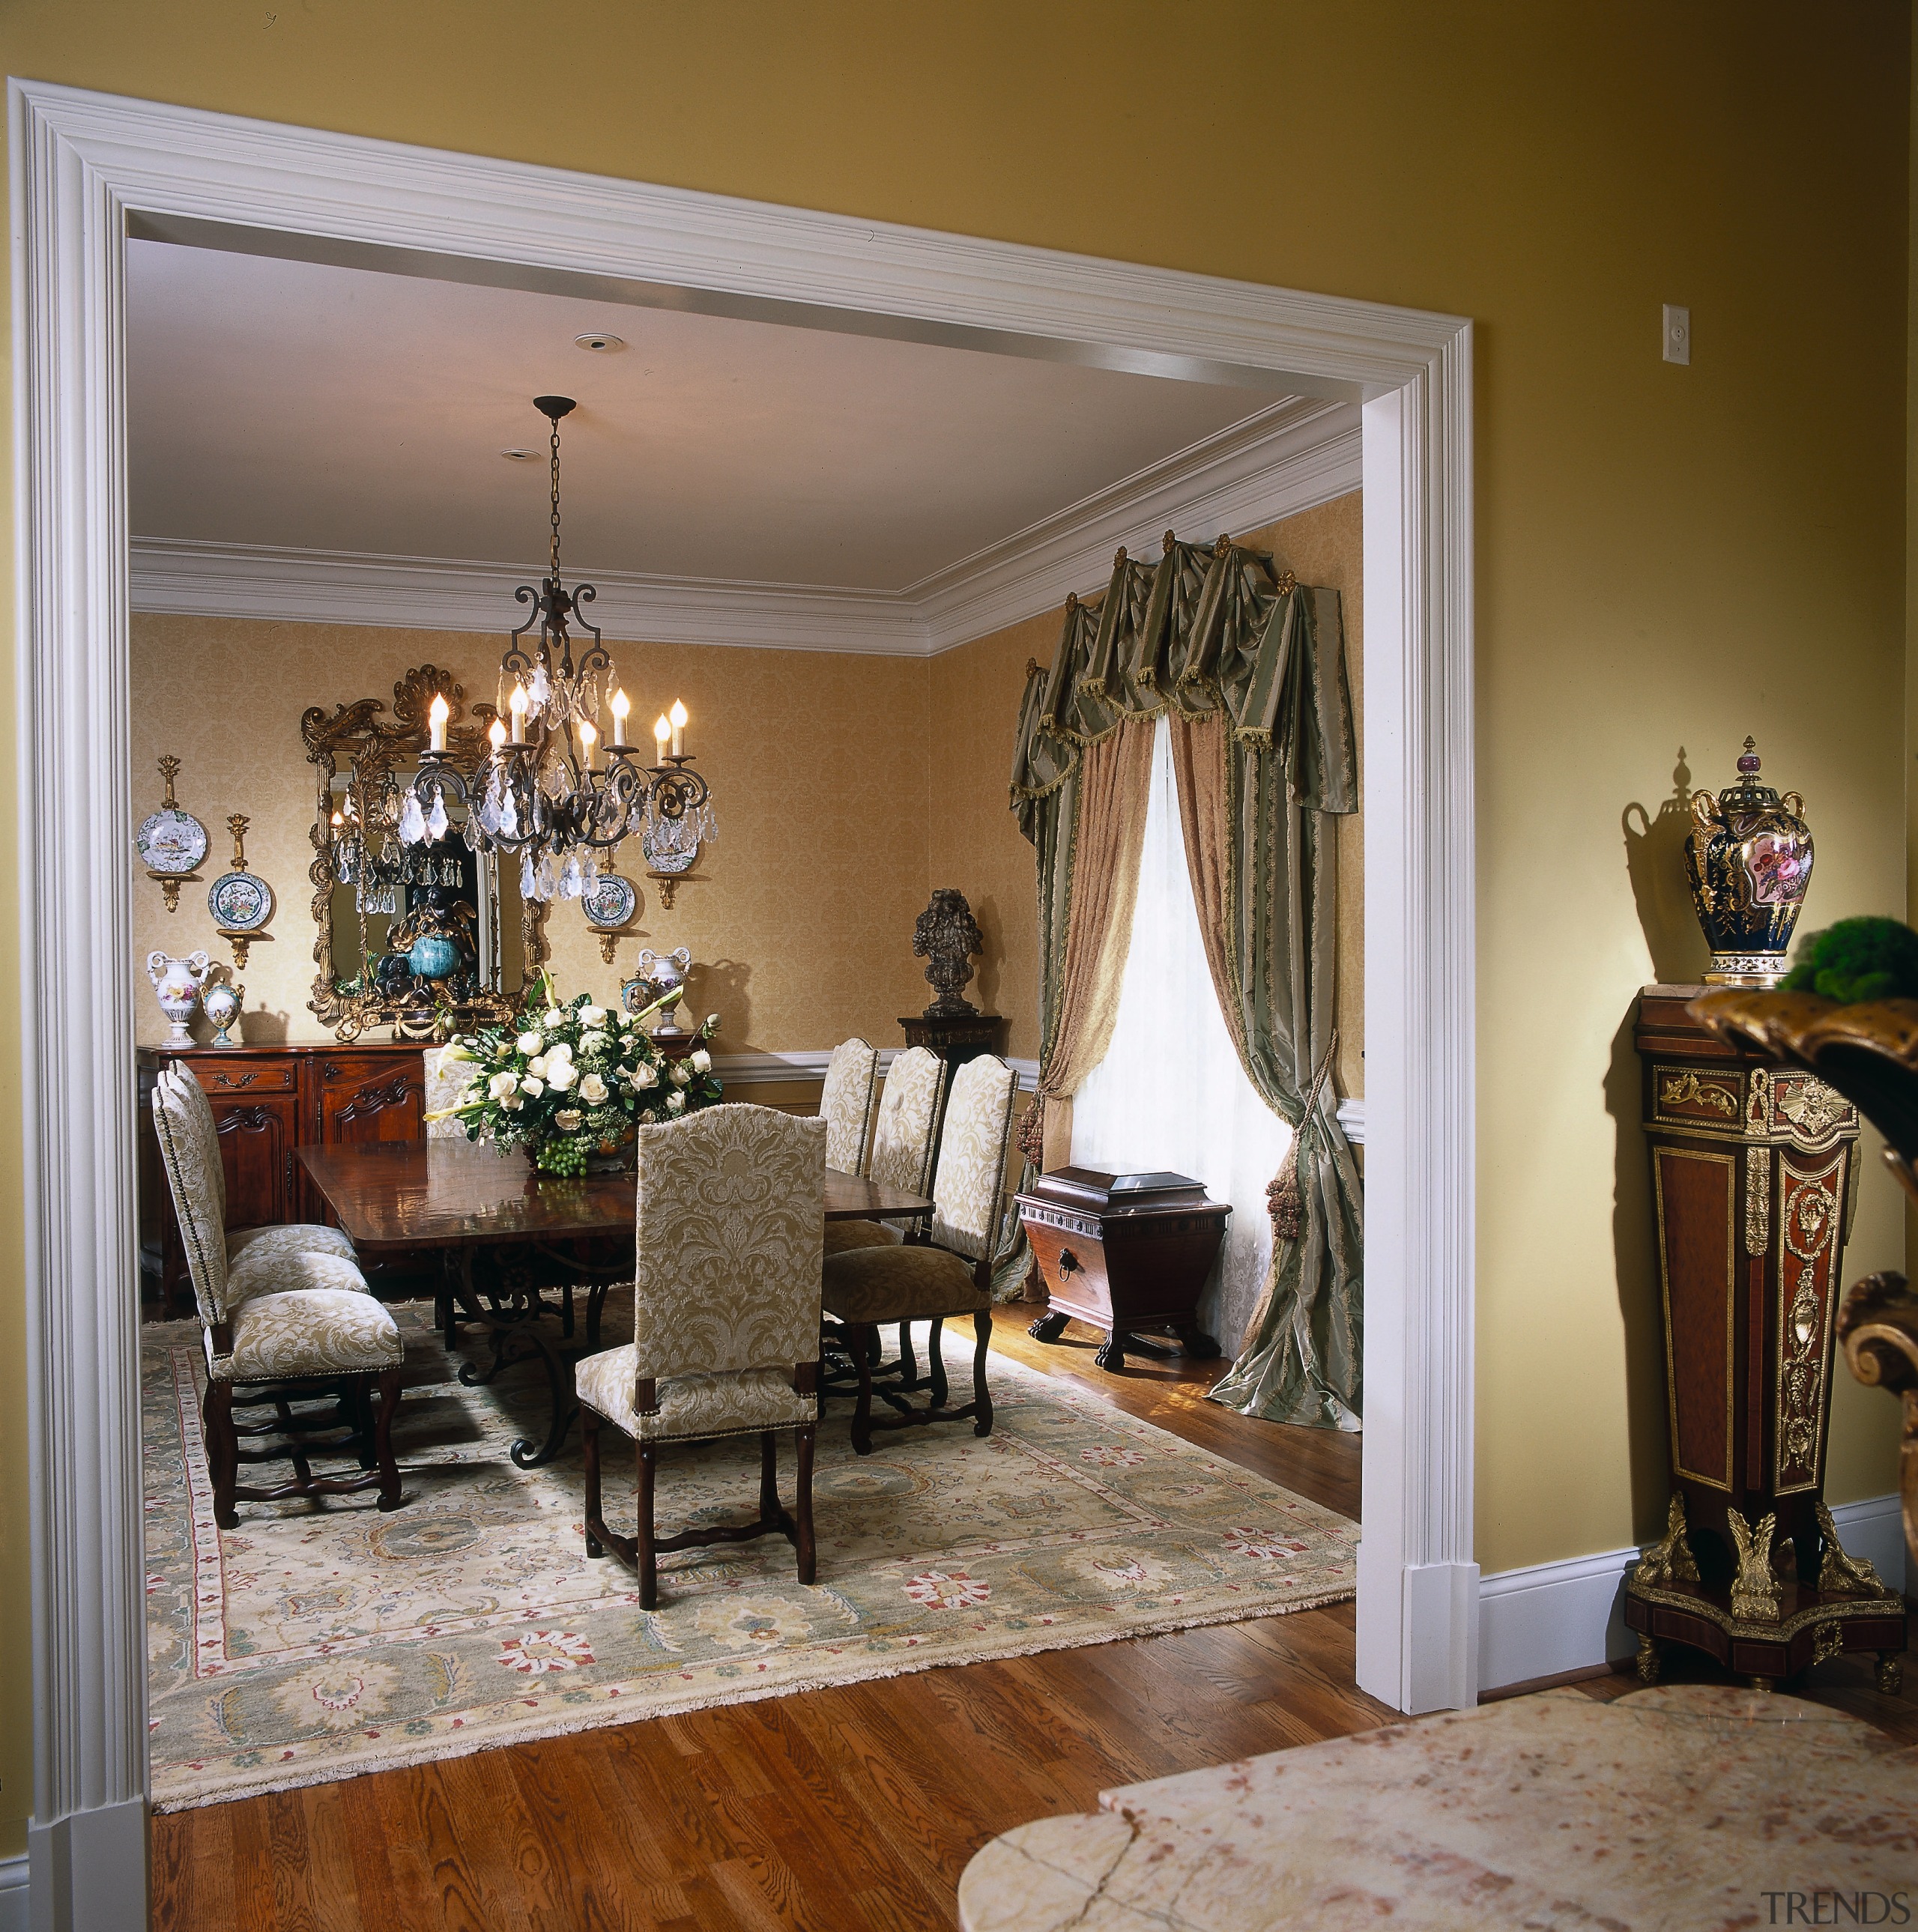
point(473, 1202)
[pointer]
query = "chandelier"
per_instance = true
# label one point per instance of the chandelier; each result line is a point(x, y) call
point(548, 793)
point(367, 853)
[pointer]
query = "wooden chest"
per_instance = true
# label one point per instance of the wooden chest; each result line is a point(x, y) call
point(1123, 1252)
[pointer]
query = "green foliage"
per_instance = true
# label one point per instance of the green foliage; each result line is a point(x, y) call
point(1855, 960)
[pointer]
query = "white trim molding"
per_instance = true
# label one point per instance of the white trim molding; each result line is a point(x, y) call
point(1290, 457)
point(13, 1900)
point(1551, 1618)
point(84, 166)
point(809, 1062)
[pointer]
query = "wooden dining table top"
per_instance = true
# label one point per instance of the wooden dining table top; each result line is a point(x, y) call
point(448, 1193)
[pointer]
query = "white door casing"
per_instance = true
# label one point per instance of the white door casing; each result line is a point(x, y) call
point(85, 165)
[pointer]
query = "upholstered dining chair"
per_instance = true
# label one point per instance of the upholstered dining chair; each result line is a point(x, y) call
point(903, 1141)
point(283, 1324)
point(725, 1320)
point(845, 1103)
point(948, 1273)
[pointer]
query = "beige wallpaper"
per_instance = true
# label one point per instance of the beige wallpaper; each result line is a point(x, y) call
point(975, 843)
point(799, 916)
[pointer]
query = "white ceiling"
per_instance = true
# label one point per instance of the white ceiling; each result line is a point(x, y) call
point(316, 408)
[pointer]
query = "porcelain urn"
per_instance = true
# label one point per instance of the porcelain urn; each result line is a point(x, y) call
point(223, 1004)
point(1748, 858)
point(176, 983)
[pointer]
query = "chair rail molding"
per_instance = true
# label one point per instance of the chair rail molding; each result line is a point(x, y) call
point(86, 168)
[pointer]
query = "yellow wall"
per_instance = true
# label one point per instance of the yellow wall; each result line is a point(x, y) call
point(975, 840)
point(799, 916)
point(1666, 556)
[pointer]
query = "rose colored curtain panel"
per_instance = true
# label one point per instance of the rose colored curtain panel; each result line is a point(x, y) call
point(1250, 669)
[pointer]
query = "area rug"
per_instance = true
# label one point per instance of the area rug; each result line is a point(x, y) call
point(320, 1640)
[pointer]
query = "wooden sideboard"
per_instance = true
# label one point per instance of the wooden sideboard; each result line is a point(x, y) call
point(270, 1101)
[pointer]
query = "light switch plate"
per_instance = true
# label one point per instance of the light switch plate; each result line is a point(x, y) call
point(1678, 333)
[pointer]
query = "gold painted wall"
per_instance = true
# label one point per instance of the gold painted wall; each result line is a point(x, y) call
point(975, 840)
point(1666, 557)
point(799, 916)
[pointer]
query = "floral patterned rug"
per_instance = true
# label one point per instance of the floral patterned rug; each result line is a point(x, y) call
point(320, 1640)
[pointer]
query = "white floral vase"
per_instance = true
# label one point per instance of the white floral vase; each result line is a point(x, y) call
point(177, 982)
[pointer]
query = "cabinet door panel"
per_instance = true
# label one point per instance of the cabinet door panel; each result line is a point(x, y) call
point(256, 1139)
point(371, 1097)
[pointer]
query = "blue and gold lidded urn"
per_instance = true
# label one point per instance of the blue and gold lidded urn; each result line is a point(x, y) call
point(1749, 861)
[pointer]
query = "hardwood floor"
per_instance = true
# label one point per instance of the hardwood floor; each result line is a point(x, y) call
point(841, 1809)
point(845, 1809)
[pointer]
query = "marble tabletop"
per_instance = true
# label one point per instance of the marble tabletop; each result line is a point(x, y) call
point(1677, 1807)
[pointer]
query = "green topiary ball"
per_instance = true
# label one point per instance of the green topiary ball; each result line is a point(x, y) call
point(1858, 959)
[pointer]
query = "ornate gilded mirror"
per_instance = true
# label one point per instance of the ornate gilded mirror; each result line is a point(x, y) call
point(422, 934)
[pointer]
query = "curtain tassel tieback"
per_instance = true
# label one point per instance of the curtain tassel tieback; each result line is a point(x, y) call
point(1032, 1132)
point(1283, 1201)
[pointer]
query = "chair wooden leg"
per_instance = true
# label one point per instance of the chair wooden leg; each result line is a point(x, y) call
point(935, 1362)
point(769, 1476)
point(589, 1428)
point(566, 1315)
point(982, 1327)
point(645, 1562)
point(908, 1361)
point(383, 1438)
point(359, 1403)
point(862, 1337)
point(223, 1452)
point(809, 1564)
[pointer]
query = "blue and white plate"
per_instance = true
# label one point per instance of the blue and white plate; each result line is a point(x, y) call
point(172, 842)
point(240, 901)
point(612, 901)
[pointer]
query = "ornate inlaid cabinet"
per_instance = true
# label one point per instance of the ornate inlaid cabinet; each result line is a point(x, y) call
point(269, 1102)
point(1754, 1183)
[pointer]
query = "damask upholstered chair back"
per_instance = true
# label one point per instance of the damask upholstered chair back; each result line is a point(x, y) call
point(908, 1126)
point(730, 1230)
point(972, 1157)
point(447, 1080)
point(845, 1103)
point(189, 1141)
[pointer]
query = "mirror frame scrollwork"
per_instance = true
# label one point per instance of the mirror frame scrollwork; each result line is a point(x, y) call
point(371, 746)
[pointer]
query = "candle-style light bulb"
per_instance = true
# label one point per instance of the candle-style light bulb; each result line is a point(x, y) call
point(622, 709)
point(339, 819)
point(678, 715)
point(517, 705)
point(437, 713)
point(589, 740)
point(496, 734)
point(662, 731)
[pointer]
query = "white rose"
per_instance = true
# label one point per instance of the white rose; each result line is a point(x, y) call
point(512, 1103)
point(567, 1119)
point(681, 1074)
point(674, 1102)
point(561, 1076)
point(501, 1085)
point(592, 1089)
point(529, 1043)
point(532, 1086)
point(702, 1061)
point(554, 1017)
point(558, 1050)
point(593, 1016)
point(594, 1043)
point(537, 1065)
point(712, 1022)
point(647, 1076)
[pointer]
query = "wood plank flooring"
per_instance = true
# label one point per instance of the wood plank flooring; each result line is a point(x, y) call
point(850, 1809)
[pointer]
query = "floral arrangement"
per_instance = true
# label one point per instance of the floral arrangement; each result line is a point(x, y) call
point(569, 1078)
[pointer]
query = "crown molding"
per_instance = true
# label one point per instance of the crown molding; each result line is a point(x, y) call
point(1286, 459)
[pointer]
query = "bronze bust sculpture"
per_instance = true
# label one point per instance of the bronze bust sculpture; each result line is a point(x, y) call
point(947, 937)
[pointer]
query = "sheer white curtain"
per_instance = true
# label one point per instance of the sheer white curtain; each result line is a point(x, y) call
point(1170, 1092)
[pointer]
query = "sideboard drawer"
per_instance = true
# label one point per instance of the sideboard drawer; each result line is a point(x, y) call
point(250, 1077)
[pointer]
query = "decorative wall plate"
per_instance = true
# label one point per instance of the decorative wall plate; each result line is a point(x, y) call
point(172, 841)
point(611, 902)
point(668, 858)
point(240, 901)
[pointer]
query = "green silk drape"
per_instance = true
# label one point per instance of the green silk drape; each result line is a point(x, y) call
point(1210, 633)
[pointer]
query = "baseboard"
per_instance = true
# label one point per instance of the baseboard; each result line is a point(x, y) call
point(14, 1900)
point(1554, 1618)
point(89, 1870)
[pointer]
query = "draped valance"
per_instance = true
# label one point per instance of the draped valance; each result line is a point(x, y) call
point(1250, 666)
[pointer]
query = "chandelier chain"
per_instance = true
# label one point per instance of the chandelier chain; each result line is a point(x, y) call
point(555, 572)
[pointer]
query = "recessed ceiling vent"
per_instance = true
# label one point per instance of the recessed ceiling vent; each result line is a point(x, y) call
point(600, 342)
point(519, 455)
